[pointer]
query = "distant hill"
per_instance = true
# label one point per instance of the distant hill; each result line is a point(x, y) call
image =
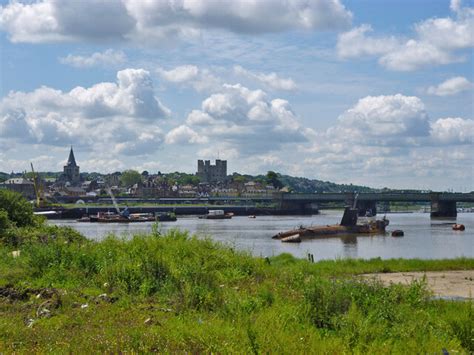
point(305, 185)
point(301, 184)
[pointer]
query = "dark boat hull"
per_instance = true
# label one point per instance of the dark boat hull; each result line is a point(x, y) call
point(166, 217)
point(348, 226)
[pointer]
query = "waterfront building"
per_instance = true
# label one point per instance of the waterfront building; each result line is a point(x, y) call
point(113, 179)
point(20, 185)
point(212, 173)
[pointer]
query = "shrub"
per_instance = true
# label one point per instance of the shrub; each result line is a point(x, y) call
point(328, 300)
point(463, 328)
point(19, 210)
point(5, 223)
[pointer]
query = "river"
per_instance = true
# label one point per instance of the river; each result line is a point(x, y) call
point(424, 238)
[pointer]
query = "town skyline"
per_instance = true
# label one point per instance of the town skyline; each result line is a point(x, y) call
point(365, 93)
point(206, 172)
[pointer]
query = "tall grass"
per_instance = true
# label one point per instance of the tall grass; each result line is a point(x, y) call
point(175, 292)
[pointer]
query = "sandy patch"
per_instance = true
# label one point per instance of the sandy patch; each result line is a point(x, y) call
point(442, 283)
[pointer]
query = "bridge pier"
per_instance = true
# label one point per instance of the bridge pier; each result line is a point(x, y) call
point(298, 207)
point(384, 206)
point(364, 207)
point(442, 209)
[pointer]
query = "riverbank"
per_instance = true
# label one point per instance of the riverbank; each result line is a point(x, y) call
point(187, 210)
point(174, 293)
point(448, 284)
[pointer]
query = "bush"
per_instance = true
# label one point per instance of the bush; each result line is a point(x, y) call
point(328, 300)
point(19, 210)
point(5, 228)
point(463, 328)
point(5, 223)
point(43, 234)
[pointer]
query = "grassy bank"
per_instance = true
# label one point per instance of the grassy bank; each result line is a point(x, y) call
point(174, 292)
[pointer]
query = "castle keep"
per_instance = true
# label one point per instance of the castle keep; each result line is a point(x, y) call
point(212, 173)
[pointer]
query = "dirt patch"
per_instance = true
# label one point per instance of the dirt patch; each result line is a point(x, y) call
point(13, 293)
point(442, 283)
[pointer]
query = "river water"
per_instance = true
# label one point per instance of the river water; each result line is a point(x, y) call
point(424, 238)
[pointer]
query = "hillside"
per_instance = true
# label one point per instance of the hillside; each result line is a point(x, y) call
point(300, 184)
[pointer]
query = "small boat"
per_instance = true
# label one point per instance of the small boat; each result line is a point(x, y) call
point(398, 233)
point(295, 238)
point(52, 214)
point(110, 217)
point(94, 217)
point(165, 217)
point(217, 214)
point(458, 227)
point(141, 217)
point(252, 216)
point(84, 218)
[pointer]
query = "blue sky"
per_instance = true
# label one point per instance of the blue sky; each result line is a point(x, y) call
point(368, 92)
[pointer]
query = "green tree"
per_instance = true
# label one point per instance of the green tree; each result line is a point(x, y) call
point(4, 177)
point(189, 179)
point(18, 209)
point(239, 179)
point(273, 178)
point(5, 223)
point(130, 177)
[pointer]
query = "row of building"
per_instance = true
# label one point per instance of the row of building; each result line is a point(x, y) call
point(213, 180)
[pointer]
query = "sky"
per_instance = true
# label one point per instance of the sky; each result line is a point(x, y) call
point(369, 92)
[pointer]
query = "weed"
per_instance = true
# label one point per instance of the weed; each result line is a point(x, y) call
point(204, 297)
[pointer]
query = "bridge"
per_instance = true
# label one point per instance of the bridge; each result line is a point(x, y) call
point(443, 204)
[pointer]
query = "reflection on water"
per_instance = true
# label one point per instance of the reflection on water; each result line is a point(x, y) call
point(423, 238)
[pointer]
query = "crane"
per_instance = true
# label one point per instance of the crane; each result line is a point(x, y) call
point(38, 189)
point(125, 213)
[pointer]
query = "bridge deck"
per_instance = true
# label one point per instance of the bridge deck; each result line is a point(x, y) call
point(382, 197)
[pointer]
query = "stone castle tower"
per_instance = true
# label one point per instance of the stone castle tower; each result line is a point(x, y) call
point(212, 173)
point(71, 170)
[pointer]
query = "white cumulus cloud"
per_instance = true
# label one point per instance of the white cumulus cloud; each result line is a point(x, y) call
point(436, 41)
point(416, 54)
point(107, 58)
point(269, 80)
point(451, 86)
point(179, 74)
point(121, 117)
point(356, 43)
point(237, 118)
point(453, 130)
point(96, 20)
point(184, 135)
point(388, 139)
point(200, 79)
point(389, 118)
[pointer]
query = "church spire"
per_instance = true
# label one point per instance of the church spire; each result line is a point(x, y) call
point(71, 161)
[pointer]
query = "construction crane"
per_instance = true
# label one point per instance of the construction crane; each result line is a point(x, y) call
point(125, 213)
point(114, 201)
point(38, 189)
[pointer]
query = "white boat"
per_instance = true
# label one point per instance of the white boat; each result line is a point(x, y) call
point(217, 214)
